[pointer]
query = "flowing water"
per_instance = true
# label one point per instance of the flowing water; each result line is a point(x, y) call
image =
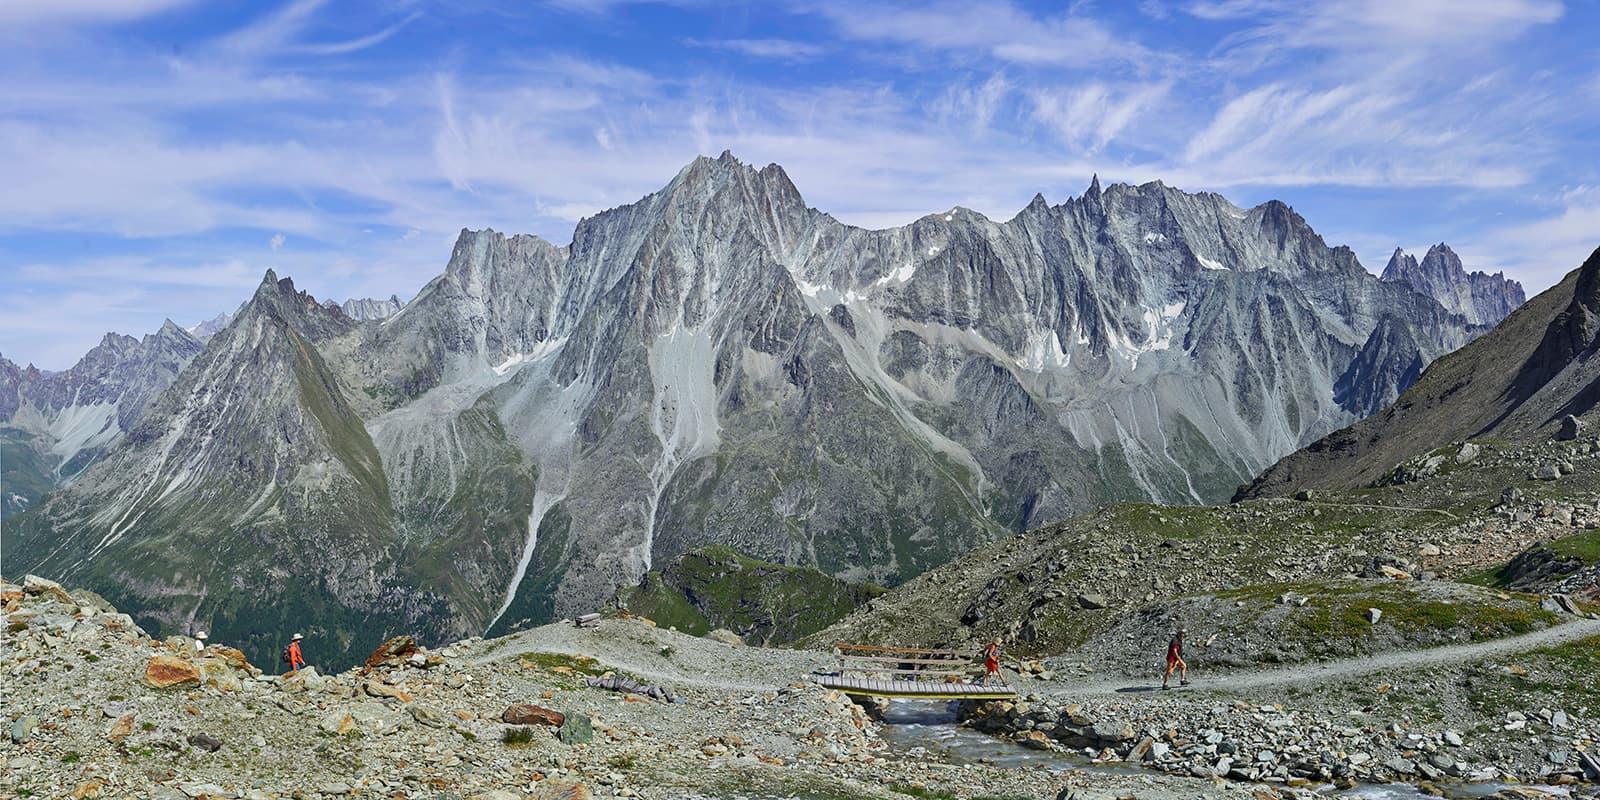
point(927, 729)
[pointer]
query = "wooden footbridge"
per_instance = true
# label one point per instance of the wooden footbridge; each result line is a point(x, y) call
point(911, 673)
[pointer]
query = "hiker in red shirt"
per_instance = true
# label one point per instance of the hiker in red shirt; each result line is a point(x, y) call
point(292, 653)
point(1175, 661)
point(991, 661)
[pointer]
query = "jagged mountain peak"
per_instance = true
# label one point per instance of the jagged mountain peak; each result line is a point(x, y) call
point(705, 178)
point(1482, 298)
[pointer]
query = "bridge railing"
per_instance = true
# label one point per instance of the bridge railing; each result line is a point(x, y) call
point(905, 663)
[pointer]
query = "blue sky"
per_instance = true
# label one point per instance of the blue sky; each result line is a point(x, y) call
point(159, 155)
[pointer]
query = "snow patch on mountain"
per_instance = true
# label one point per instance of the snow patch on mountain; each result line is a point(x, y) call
point(1043, 352)
point(542, 350)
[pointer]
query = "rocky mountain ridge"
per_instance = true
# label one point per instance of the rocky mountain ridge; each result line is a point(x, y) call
point(1482, 298)
point(367, 308)
point(55, 425)
point(720, 364)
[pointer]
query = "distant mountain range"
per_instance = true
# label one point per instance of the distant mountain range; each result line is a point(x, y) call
point(1520, 380)
point(715, 364)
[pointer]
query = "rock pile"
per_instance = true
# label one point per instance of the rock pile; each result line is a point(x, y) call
point(1243, 742)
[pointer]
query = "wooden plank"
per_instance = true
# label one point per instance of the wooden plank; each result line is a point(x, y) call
point(932, 673)
point(884, 688)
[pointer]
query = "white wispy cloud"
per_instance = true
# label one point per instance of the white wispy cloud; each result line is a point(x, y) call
point(1091, 115)
point(995, 28)
point(1380, 24)
point(271, 31)
point(358, 43)
point(37, 12)
point(778, 49)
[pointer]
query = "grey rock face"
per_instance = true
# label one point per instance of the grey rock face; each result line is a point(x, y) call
point(1482, 298)
point(719, 364)
point(368, 309)
point(55, 425)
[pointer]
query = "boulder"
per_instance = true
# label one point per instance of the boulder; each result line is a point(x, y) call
point(1374, 614)
point(1075, 715)
point(1033, 740)
point(376, 688)
point(1467, 454)
point(1092, 601)
point(305, 679)
point(1140, 751)
point(22, 730)
point(1109, 731)
point(725, 636)
point(121, 728)
point(166, 672)
point(530, 714)
point(1401, 766)
point(35, 585)
point(206, 742)
point(336, 722)
point(1571, 428)
point(394, 651)
point(561, 790)
point(220, 672)
point(575, 729)
point(1547, 471)
point(1591, 766)
point(232, 657)
point(428, 715)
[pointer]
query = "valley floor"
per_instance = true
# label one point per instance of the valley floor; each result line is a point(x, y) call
point(85, 723)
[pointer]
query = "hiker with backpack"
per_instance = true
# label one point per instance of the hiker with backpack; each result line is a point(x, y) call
point(291, 655)
point(1175, 660)
point(991, 661)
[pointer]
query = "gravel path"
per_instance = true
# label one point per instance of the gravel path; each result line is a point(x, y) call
point(1347, 668)
point(637, 648)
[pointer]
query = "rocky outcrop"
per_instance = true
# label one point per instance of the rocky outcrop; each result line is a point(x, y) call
point(167, 672)
point(368, 309)
point(761, 603)
point(1482, 298)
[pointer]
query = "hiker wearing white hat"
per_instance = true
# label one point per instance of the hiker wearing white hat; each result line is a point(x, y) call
point(291, 654)
point(199, 641)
